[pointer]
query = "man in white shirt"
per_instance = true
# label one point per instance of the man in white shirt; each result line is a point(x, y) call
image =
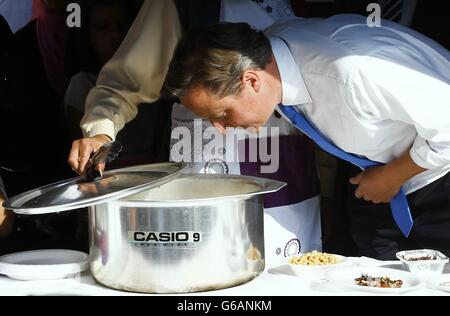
point(382, 93)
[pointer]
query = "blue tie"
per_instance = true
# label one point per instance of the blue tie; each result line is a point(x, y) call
point(399, 204)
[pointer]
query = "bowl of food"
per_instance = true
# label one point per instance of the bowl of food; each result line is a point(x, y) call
point(424, 262)
point(311, 263)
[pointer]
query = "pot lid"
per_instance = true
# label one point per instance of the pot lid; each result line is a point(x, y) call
point(78, 192)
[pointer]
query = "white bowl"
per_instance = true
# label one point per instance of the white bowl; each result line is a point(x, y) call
point(314, 271)
point(46, 264)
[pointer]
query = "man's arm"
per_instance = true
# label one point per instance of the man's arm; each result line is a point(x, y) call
point(416, 95)
point(411, 95)
point(134, 75)
point(6, 217)
point(381, 184)
point(136, 72)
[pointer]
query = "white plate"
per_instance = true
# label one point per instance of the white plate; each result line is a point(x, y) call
point(43, 264)
point(346, 278)
point(437, 282)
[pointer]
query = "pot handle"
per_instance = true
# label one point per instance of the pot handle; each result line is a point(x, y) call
point(107, 153)
point(269, 185)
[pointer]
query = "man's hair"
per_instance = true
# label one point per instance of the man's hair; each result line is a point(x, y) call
point(215, 57)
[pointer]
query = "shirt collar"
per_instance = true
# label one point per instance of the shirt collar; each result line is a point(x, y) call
point(294, 91)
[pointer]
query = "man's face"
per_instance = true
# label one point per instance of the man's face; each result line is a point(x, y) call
point(252, 107)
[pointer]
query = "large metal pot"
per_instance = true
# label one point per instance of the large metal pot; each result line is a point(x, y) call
point(185, 234)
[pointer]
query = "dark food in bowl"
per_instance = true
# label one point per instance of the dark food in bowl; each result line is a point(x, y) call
point(382, 282)
point(422, 258)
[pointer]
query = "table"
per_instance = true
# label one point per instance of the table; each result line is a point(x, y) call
point(272, 282)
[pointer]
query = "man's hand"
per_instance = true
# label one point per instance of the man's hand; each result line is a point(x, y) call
point(81, 152)
point(6, 220)
point(381, 184)
point(376, 185)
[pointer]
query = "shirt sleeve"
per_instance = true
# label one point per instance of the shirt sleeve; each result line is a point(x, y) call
point(419, 97)
point(136, 72)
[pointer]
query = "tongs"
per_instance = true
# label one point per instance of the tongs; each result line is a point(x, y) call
point(107, 153)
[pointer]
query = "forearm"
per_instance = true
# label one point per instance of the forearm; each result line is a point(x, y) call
point(403, 168)
point(380, 184)
point(136, 72)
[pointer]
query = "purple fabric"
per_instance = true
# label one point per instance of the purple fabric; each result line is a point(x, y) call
point(297, 168)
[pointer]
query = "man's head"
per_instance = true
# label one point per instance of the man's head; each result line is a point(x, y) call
point(227, 74)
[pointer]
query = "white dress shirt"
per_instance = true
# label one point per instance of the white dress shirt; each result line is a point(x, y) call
point(259, 14)
point(374, 92)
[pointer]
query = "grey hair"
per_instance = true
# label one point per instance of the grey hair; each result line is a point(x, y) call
point(215, 57)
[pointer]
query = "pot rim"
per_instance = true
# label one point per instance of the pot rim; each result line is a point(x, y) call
point(266, 186)
point(169, 170)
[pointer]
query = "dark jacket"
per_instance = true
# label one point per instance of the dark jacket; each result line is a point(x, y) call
point(195, 13)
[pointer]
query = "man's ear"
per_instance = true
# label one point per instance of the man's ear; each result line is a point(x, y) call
point(219, 126)
point(252, 79)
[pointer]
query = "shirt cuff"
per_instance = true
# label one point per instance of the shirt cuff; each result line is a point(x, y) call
point(104, 126)
point(427, 157)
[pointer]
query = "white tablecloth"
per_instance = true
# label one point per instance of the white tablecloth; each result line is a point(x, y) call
point(273, 282)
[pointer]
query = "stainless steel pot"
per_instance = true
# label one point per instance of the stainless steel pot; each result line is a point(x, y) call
point(190, 233)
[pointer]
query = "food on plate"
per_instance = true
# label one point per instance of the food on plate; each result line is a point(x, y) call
point(421, 255)
point(314, 258)
point(383, 282)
